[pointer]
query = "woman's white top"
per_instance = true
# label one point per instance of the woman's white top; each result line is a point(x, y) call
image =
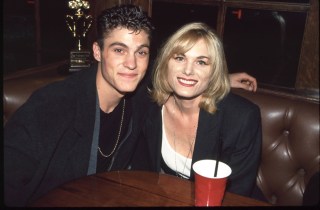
point(177, 162)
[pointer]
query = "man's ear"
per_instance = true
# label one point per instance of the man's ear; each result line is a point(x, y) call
point(96, 51)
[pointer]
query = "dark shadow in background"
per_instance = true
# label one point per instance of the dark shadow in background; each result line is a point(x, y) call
point(263, 43)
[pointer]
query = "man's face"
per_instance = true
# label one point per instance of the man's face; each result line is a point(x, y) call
point(123, 61)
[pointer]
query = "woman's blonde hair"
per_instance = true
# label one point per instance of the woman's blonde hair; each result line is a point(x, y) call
point(181, 42)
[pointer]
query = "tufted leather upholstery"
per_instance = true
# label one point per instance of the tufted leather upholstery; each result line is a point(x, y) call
point(290, 153)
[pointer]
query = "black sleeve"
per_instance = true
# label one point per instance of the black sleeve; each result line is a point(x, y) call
point(141, 156)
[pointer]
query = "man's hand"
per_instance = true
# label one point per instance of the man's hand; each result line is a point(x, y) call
point(244, 81)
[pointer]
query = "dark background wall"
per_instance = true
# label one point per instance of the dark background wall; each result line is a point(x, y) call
point(34, 34)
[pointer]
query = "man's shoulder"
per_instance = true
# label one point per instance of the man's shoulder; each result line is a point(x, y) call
point(73, 83)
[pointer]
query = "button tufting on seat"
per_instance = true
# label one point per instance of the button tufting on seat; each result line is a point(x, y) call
point(285, 132)
point(290, 150)
point(301, 172)
point(273, 199)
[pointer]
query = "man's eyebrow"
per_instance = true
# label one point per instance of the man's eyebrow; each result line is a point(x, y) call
point(118, 43)
point(125, 46)
point(144, 45)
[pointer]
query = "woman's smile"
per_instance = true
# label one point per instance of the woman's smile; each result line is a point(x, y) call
point(187, 82)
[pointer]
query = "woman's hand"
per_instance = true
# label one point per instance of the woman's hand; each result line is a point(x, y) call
point(244, 81)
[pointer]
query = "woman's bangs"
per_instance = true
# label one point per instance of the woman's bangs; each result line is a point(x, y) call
point(185, 42)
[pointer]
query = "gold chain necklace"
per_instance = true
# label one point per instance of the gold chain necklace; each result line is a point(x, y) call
point(190, 147)
point(115, 146)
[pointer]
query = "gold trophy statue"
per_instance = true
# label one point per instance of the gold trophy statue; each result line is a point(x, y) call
point(79, 24)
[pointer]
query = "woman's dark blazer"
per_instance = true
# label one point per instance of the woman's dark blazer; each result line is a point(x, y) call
point(237, 122)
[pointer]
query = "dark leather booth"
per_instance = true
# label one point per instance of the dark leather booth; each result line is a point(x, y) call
point(290, 153)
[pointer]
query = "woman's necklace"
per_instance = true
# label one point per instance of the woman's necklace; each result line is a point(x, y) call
point(190, 152)
point(175, 156)
point(119, 133)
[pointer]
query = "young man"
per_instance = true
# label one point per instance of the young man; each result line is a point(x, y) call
point(87, 123)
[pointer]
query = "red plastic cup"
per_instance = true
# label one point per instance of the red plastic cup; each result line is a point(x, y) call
point(209, 190)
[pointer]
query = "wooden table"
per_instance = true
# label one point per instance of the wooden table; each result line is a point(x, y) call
point(131, 188)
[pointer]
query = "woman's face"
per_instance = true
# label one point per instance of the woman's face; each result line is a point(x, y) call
point(189, 73)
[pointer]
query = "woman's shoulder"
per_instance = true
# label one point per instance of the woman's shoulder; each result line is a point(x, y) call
point(238, 103)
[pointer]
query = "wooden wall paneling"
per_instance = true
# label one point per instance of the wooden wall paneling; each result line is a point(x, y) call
point(308, 72)
point(145, 4)
point(96, 7)
point(221, 19)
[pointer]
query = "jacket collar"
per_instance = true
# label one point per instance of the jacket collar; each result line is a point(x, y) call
point(86, 101)
point(207, 135)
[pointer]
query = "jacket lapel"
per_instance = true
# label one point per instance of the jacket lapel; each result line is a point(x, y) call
point(154, 134)
point(84, 120)
point(207, 137)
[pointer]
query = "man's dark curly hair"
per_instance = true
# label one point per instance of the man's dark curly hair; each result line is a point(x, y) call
point(128, 16)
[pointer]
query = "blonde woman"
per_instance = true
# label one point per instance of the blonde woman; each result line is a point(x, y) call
point(194, 109)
